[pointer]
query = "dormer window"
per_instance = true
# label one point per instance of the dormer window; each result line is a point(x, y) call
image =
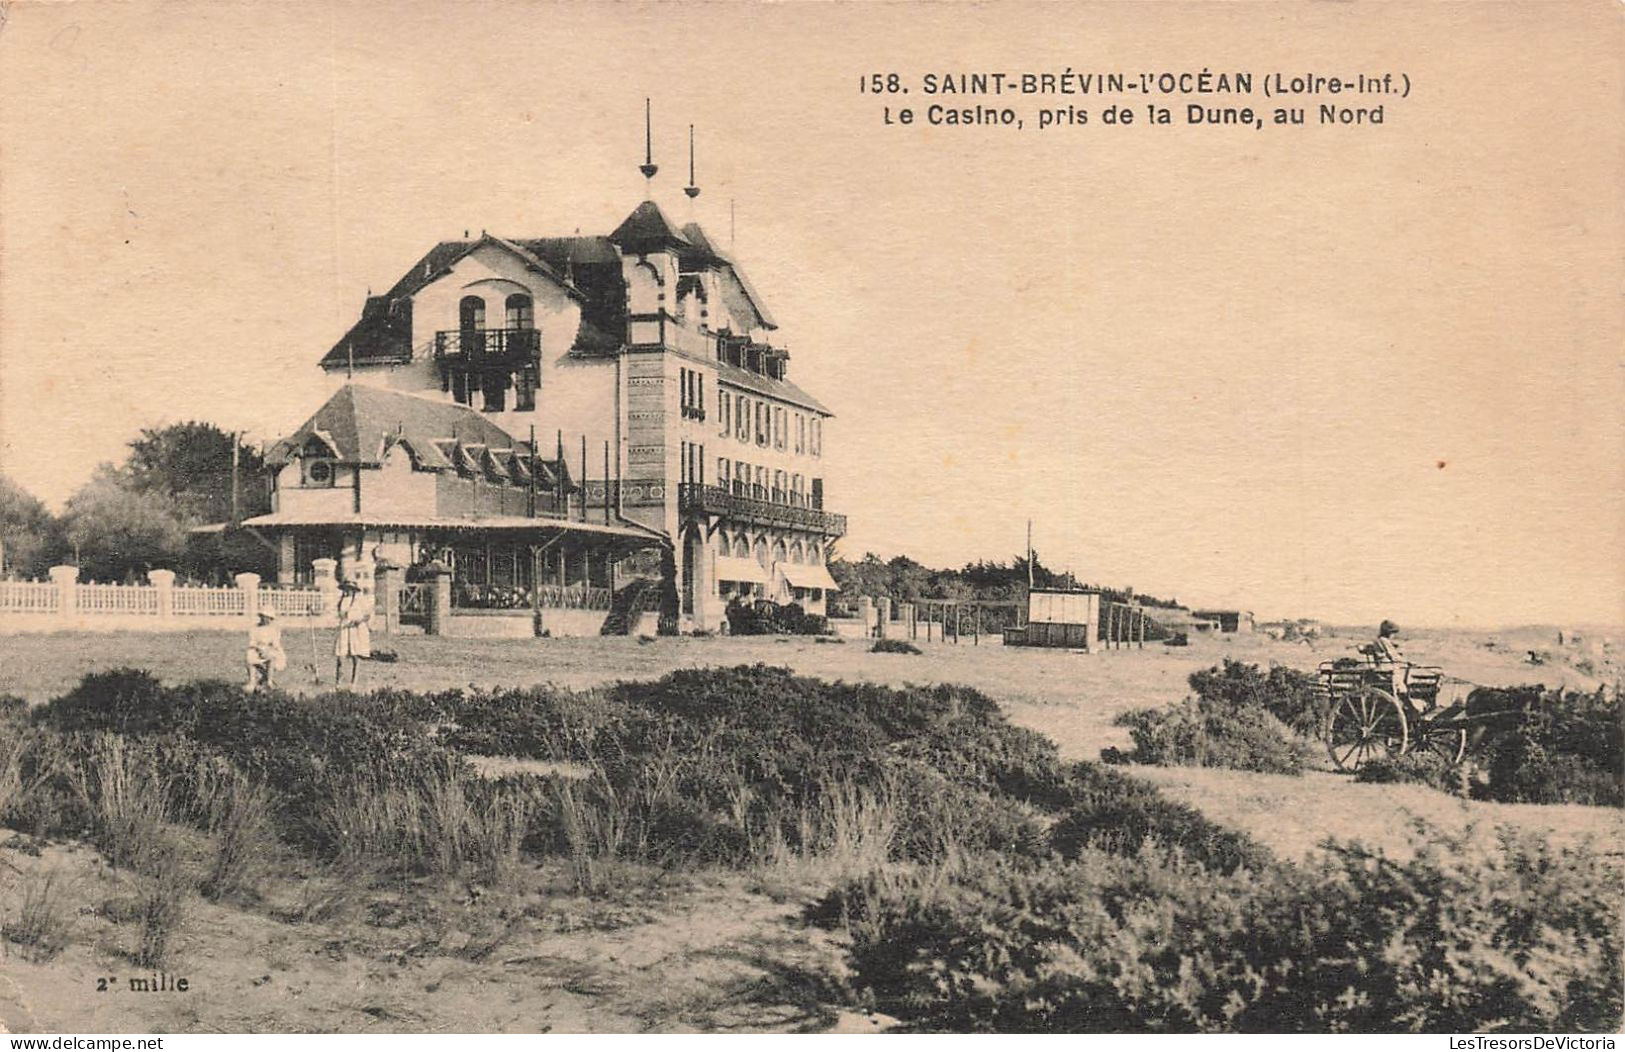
point(316, 464)
point(521, 311)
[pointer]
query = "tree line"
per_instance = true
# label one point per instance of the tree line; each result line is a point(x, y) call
point(905, 580)
point(137, 515)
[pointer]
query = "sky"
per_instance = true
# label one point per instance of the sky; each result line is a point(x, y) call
point(1343, 372)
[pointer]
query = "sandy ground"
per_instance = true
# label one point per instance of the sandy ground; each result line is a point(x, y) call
point(712, 952)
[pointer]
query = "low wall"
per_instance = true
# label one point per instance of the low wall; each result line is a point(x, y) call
point(516, 624)
point(36, 624)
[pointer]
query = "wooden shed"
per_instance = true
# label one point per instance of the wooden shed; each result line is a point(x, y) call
point(1056, 617)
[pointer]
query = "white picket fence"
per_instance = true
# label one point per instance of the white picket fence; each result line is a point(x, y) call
point(61, 601)
point(119, 599)
point(206, 601)
point(28, 597)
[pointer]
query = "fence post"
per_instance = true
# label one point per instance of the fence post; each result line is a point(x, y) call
point(327, 582)
point(164, 582)
point(882, 616)
point(386, 581)
point(866, 611)
point(249, 585)
point(905, 618)
point(66, 579)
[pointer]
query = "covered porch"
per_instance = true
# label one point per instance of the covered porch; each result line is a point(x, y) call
point(517, 566)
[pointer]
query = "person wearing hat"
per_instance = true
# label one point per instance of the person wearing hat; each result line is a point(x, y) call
point(1386, 654)
point(265, 657)
point(355, 634)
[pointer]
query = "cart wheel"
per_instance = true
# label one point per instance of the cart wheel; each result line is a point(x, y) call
point(1365, 725)
point(1447, 742)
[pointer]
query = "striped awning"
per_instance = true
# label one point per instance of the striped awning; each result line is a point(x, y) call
point(809, 575)
point(737, 568)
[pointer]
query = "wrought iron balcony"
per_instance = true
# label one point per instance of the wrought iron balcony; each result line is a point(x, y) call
point(504, 348)
point(717, 500)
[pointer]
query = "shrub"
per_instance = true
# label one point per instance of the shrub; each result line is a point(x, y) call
point(118, 782)
point(43, 922)
point(1422, 767)
point(764, 617)
point(160, 905)
point(1291, 696)
point(894, 646)
point(1116, 813)
point(239, 816)
point(1464, 937)
point(1553, 747)
point(1199, 732)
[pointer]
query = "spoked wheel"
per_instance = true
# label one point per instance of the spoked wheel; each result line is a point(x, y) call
point(1365, 724)
point(1448, 743)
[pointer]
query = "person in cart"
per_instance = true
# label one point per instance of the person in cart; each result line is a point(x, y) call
point(355, 632)
point(1386, 654)
point(265, 657)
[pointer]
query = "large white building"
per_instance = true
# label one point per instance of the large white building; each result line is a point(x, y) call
point(662, 414)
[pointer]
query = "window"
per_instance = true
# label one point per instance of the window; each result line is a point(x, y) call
point(801, 433)
point(780, 430)
point(761, 423)
point(521, 311)
point(725, 410)
point(742, 421)
point(471, 314)
point(724, 471)
point(816, 438)
point(316, 464)
point(796, 496)
point(779, 487)
point(691, 388)
point(526, 382)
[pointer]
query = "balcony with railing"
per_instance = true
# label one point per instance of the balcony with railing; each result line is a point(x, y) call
point(755, 504)
point(498, 348)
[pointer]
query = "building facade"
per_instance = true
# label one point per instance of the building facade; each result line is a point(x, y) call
point(545, 410)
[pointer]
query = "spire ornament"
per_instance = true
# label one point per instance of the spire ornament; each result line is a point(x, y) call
point(648, 167)
point(691, 190)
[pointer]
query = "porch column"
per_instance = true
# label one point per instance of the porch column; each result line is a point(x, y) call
point(439, 578)
point(325, 571)
point(387, 580)
point(287, 568)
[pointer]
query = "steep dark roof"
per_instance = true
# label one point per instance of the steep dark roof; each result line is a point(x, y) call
point(647, 230)
point(361, 421)
point(701, 253)
point(766, 385)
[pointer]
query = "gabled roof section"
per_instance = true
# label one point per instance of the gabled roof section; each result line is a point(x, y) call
point(741, 297)
point(384, 333)
point(648, 230)
point(740, 287)
point(362, 422)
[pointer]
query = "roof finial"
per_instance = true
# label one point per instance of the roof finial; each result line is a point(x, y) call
point(648, 167)
point(691, 190)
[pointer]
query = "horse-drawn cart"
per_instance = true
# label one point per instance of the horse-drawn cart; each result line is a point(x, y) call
point(1380, 711)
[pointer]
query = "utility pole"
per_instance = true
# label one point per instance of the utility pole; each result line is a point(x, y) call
point(1029, 555)
point(236, 441)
